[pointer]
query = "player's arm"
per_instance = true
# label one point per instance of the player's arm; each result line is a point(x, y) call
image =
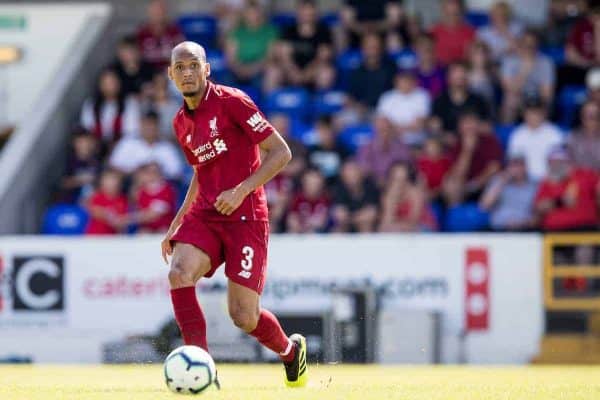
point(277, 155)
point(189, 199)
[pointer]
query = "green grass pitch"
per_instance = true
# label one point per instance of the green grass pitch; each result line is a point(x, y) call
point(327, 382)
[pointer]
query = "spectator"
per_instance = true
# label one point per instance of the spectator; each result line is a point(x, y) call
point(377, 16)
point(327, 154)
point(592, 81)
point(249, 45)
point(281, 123)
point(155, 200)
point(581, 48)
point(355, 201)
point(452, 34)
point(406, 106)
point(562, 16)
point(157, 37)
point(83, 167)
point(165, 105)
point(133, 72)
point(404, 203)
point(386, 148)
point(109, 114)
point(509, 197)
point(430, 74)
point(475, 159)
point(132, 153)
point(482, 80)
point(309, 212)
point(433, 164)
point(524, 75)
point(567, 198)
point(502, 33)
point(455, 101)
point(584, 143)
point(534, 139)
point(399, 28)
point(107, 206)
point(374, 76)
point(305, 48)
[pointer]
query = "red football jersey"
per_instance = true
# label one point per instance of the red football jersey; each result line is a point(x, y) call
point(160, 197)
point(220, 140)
point(116, 205)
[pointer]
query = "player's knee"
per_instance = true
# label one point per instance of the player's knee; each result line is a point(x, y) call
point(245, 319)
point(180, 277)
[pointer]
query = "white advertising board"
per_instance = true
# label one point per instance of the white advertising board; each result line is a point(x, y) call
point(63, 297)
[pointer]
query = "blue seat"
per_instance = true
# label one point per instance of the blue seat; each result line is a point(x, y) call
point(466, 218)
point(503, 133)
point(477, 18)
point(331, 19)
point(355, 136)
point(65, 219)
point(199, 28)
point(295, 102)
point(570, 98)
point(283, 20)
point(218, 65)
point(405, 58)
point(556, 53)
point(328, 102)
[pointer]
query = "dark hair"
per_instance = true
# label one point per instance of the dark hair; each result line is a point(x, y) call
point(151, 114)
point(468, 113)
point(128, 40)
point(98, 100)
point(457, 64)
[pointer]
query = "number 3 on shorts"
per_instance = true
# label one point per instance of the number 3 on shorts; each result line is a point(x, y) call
point(248, 253)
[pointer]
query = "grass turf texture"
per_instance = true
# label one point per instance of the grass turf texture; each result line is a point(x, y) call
point(343, 382)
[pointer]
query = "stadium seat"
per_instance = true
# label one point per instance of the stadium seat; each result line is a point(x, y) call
point(345, 64)
point(295, 102)
point(331, 19)
point(405, 58)
point(570, 98)
point(556, 53)
point(466, 218)
point(354, 136)
point(218, 65)
point(503, 133)
point(65, 219)
point(200, 28)
point(283, 20)
point(477, 18)
point(328, 102)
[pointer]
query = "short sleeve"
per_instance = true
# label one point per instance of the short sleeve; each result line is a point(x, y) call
point(189, 156)
point(249, 118)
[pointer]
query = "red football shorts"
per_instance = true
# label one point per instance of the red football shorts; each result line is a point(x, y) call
point(242, 245)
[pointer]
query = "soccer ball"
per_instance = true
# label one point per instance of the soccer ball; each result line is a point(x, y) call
point(189, 370)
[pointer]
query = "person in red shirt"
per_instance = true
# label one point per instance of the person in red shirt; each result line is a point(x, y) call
point(158, 36)
point(568, 197)
point(224, 216)
point(582, 44)
point(453, 36)
point(404, 202)
point(433, 164)
point(107, 206)
point(309, 212)
point(475, 159)
point(155, 200)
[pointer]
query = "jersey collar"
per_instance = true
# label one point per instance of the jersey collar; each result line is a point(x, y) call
point(207, 91)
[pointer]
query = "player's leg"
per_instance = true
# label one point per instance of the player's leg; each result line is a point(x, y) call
point(187, 266)
point(245, 246)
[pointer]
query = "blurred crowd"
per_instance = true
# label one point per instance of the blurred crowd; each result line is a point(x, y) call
point(394, 127)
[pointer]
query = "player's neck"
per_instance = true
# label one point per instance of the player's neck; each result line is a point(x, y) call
point(193, 102)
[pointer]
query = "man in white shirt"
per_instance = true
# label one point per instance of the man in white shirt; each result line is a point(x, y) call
point(132, 152)
point(406, 106)
point(535, 139)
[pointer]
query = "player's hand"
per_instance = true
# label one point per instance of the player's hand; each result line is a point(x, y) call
point(229, 200)
point(165, 245)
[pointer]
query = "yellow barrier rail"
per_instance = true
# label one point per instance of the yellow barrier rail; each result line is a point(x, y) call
point(553, 271)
